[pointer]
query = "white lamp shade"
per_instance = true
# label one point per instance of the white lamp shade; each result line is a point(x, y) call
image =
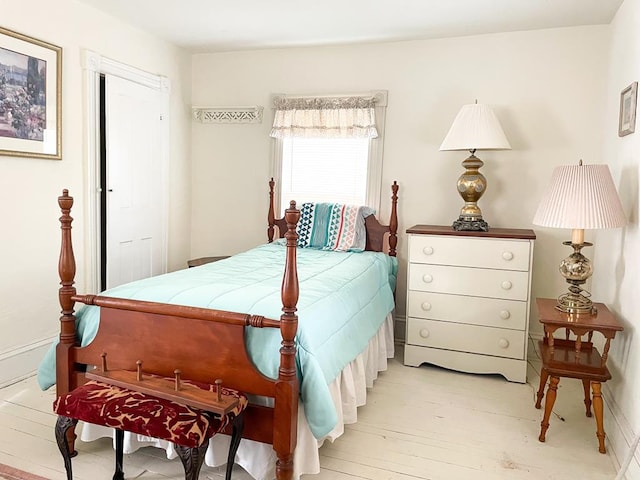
point(581, 197)
point(476, 127)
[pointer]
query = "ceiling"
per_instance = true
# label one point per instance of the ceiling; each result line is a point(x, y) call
point(228, 25)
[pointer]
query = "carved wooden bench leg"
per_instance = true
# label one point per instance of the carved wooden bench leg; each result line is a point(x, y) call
point(63, 424)
point(71, 441)
point(192, 459)
point(119, 473)
point(238, 427)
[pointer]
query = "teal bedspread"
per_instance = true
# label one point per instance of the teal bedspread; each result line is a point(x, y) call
point(344, 299)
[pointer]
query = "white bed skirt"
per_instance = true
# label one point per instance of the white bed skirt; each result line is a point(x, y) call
point(348, 390)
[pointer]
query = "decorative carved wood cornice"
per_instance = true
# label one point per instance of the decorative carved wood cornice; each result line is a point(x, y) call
point(228, 114)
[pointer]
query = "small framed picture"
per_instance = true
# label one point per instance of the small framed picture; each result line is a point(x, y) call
point(628, 99)
point(30, 97)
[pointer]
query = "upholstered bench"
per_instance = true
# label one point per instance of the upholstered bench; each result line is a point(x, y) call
point(125, 409)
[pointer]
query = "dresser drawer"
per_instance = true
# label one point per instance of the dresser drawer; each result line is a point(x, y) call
point(508, 284)
point(490, 312)
point(470, 252)
point(498, 342)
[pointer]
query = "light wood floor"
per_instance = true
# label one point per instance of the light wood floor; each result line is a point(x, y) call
point(419, 423)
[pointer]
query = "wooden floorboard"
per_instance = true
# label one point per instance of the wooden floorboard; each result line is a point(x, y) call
point(418, 423)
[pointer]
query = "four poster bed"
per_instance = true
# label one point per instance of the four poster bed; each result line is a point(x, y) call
point(305, 381)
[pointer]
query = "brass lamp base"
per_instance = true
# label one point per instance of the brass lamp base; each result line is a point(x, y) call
point(471, 185)
point(576, 302)
point(470, 224)
point(576, 269)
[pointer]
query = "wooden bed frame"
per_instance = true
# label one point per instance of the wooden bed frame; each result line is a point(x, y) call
point(157, 336)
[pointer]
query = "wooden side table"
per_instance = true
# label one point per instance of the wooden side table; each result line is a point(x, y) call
point(574, 358)
point(196, 262)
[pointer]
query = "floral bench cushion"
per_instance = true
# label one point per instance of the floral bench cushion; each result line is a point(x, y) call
point(111, 406)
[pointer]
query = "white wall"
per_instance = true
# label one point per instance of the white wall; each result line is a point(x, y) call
point(546, 87)
point(30, 237)
point(549, 88)
point(556, 93)
point(616, 268)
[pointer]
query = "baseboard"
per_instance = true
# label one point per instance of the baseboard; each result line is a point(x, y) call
point(22, 362)
point(620, 436)
point(536, 335)
point(399, 328)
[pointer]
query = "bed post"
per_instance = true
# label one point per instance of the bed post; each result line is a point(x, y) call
point(393, 221)
point(272, 215)
point(67, 272)
point(285, 419)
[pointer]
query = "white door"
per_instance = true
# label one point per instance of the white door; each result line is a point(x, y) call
point(135, 218)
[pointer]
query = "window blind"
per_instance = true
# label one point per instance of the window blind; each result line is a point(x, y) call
point(324, 170)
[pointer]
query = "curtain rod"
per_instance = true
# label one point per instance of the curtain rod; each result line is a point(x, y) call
point(379, 95)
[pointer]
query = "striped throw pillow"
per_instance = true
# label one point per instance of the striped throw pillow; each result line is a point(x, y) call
point(333, 226)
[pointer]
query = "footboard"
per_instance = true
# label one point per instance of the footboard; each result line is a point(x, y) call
point(203, 344)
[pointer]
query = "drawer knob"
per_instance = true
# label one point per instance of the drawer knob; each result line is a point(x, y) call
point(424, 332)
point(426, 278)
point(427, 250)
point(503, 343)
point(426, 306)
point(505, 314)
point(507, 256)
point(506, 285)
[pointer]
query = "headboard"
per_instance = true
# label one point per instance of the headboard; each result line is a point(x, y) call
point(380, 238)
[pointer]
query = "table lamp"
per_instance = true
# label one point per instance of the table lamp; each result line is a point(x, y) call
point(475, 127)
point(580, 197)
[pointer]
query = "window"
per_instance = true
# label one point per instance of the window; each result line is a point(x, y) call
point(329, 149)
point(324, 170)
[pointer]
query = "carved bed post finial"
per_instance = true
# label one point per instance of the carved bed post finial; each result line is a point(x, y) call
point(286, 404)
point(290, 289)
point(393, 222)
point(67, 272)
point(272, 215)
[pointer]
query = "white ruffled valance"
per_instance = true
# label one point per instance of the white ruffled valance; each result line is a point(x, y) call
point(325, 117)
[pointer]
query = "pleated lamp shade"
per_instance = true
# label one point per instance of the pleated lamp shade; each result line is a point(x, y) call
point(581, 197)
point(475, 127)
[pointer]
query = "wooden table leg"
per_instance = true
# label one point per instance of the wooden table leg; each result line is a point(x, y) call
point(587, 396)
point(598, 411)
point(543, 381)
point(548, 406)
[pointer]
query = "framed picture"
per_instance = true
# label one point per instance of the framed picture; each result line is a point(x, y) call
point(628, 99)
point(30, 97)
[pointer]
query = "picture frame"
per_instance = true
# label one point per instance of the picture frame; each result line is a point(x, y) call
point(628, 101)
point(30, 97)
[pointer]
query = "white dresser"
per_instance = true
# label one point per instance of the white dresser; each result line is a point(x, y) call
point(468, 299)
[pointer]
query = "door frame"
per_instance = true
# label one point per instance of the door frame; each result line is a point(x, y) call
point(94, 65)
